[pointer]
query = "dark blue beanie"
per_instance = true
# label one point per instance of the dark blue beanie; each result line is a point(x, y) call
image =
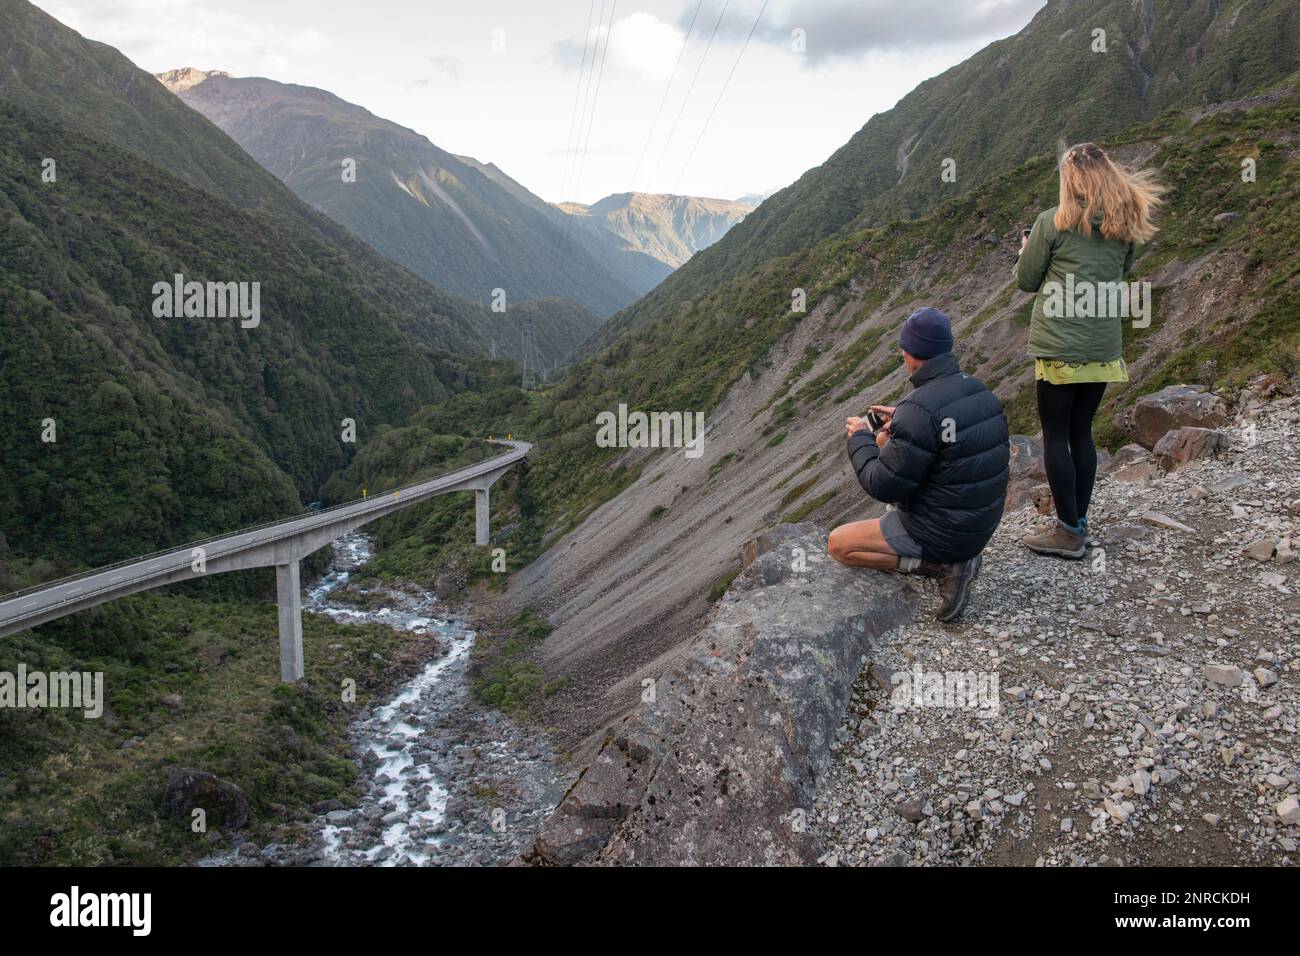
point(926, 333)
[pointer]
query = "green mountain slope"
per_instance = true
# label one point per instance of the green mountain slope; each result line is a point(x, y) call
point(93, 90)
point(443, 217)
point(1015, 99)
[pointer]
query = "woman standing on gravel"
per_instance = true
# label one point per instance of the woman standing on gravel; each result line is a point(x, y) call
point(1074, 255)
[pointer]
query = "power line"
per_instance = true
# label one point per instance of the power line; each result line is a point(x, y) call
point(595, 101)
point(667, 89)
point(725, 83)
point(573, 133)
point(691, 88)
point(577, 93)
point(591, 122)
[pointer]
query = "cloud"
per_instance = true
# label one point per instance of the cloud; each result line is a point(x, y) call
point(448, 66)
point(308, 41)
point(165, 34)
point(852, 28)
point(640, 43)
point(445, 70)
point(645, 44)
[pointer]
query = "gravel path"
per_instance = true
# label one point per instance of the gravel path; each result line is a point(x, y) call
point(1145, 697)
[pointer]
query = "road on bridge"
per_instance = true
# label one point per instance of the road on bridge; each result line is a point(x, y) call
point(281, 544)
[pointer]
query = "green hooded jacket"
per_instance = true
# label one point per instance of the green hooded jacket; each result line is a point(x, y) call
point(1071, 260)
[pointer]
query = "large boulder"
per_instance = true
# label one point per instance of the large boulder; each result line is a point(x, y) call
point(773, 538)
point(1027, 459)
point(1132, 463)
point(1177, 406)
point(223, 803)
point(1027, 471)
point(1028, 474)
point(718, 764)
point(1182, 445)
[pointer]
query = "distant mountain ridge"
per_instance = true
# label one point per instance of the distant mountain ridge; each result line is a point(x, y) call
point(670, 228)
point(464, 225)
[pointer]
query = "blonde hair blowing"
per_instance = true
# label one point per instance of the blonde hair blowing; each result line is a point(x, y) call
point(1092, 184)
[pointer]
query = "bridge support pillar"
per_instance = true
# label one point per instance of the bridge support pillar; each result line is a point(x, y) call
point(481, 535)
point(288, 592)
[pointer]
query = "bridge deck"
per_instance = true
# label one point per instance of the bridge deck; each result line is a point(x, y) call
point(276, 544)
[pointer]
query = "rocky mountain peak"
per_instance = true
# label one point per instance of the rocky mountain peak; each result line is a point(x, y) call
point(185, 78)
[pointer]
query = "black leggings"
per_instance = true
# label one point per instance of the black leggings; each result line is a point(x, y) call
point(1069, 455)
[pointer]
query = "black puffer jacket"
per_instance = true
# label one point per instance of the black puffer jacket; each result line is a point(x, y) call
point(945, 464)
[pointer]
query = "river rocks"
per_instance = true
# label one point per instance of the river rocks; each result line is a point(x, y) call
point(1174, 407)
point(189, 789)
point(447, 585)
point(720, 766)
point(1182, 445)
point(444, 781)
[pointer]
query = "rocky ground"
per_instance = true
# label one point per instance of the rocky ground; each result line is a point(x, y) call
point(1146, 696)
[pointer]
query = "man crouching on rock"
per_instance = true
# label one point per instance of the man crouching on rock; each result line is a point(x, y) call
point(941, 456)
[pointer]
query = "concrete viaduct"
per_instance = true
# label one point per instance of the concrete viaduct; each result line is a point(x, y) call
point(281, 545)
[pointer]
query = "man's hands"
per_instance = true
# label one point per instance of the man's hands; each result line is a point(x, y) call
point(853, 424)
point(1024, 241)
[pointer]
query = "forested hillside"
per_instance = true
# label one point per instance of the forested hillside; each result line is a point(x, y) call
point(92, 90)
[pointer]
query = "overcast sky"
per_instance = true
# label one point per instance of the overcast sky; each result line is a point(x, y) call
point(547, 91)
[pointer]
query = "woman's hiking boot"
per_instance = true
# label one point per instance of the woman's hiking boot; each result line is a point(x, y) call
point(1060, 540)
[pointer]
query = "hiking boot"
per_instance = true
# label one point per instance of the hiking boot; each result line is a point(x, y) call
point(929, 569)
point(954, 588)
point(1058, 540)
